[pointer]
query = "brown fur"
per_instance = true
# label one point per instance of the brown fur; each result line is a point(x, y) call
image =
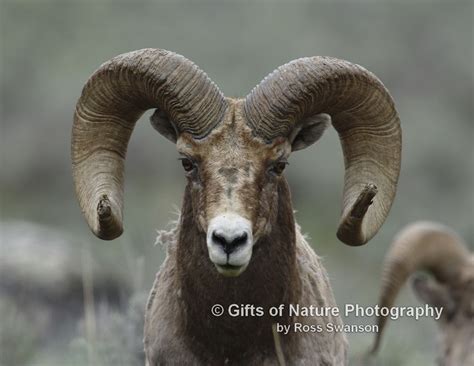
point(179, 326)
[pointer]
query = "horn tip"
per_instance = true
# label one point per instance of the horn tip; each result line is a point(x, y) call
point(363, 202)
point(108, 227)
point(350, 229)
point(104, 210)
point(349, 238)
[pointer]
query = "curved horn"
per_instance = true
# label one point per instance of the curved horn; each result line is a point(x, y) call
point(421, 246)
point(112, 100)
point(365, 118)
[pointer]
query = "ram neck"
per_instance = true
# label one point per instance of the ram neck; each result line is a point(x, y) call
point(271, 279)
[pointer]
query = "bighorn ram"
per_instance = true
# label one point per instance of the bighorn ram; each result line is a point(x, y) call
point(237, 241)
point(438, 250)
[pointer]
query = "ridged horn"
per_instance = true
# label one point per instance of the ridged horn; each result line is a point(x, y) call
point(363, 114)
point(112, 100)
point(424, 245)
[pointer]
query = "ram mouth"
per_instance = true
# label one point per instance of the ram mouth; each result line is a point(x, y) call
point(229, 270)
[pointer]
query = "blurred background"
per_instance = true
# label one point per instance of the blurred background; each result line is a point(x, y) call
point(69, 298)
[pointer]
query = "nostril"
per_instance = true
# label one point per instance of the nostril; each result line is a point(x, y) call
point(242, 239)
point(219, 239)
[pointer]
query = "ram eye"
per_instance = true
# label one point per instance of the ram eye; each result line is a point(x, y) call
point(187, 164)
point(279, 167)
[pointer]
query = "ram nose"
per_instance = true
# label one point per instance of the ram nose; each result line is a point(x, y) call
point(230, 242)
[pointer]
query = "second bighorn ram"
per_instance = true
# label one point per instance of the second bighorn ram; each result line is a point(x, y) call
point(438, 250)
point(237, 241)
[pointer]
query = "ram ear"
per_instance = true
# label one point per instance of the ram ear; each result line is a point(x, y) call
point(433, 293)
point(160, 122)
point(308, 131)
